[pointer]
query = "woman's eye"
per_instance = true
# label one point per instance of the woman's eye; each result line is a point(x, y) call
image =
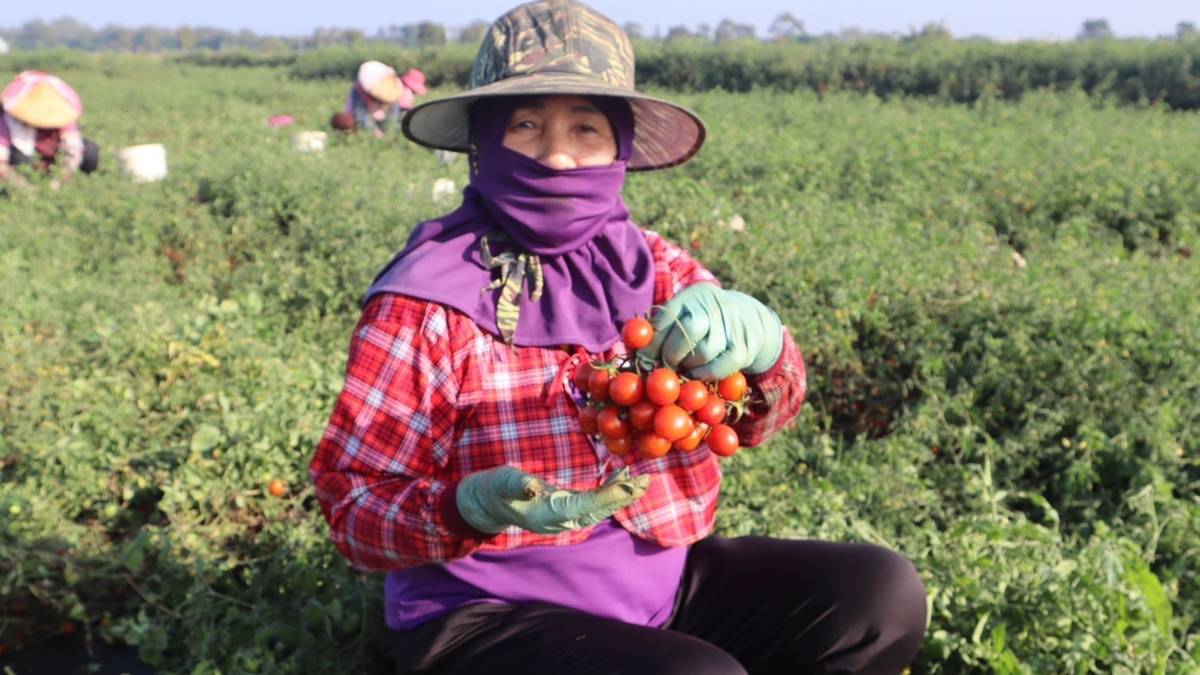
point(588, 129)
point(525, 124)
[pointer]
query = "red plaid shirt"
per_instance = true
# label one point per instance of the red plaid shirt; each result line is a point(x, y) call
point(429, 398)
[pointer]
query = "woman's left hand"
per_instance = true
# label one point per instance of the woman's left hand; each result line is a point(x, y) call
point(712, 333)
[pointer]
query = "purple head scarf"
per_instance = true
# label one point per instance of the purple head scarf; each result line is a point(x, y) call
point(518, 215)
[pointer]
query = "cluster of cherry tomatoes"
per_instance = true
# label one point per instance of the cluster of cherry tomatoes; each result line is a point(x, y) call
point(653, 410)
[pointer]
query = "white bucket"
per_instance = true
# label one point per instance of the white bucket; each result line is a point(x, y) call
point(442, 188)
point(143, 163)
point(309, 141)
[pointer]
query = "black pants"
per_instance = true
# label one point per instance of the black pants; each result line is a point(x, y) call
point(91, 157)
point(748, 605)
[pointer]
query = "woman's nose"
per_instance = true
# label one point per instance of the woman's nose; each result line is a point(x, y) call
point(556, 153)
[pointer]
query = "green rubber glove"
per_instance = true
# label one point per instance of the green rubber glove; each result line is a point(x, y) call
point(712, 333)
point(494, 499)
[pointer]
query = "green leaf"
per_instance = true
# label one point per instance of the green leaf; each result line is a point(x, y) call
point(1140, 576)
point(205, 437)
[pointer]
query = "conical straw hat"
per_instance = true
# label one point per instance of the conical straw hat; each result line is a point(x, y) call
point(41, 100)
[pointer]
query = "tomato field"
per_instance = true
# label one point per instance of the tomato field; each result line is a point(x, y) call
point(997, 301)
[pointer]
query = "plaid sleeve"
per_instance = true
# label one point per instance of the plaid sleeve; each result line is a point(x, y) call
point(71, 141)
point(377, 467)
point(776, 396)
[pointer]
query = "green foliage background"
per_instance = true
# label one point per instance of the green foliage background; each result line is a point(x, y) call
point(1021, 426)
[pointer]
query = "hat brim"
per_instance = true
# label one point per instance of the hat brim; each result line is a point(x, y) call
point(665, 134)
point(43, 108)
point(413, 83)
point(387, 89)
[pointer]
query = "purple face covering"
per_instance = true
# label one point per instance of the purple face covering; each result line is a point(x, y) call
point(596, 267)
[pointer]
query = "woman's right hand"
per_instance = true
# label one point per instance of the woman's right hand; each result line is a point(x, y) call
point(494, 499)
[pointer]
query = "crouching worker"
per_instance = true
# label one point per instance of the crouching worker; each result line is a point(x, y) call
point(378, 98)
point(456, 459)
point(39, 129)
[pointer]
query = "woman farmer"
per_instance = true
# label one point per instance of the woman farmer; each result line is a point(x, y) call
point(454, 459)
point(38, 128)
point(378, 98)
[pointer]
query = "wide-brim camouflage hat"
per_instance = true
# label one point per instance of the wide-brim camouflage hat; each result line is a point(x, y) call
point(560, 47)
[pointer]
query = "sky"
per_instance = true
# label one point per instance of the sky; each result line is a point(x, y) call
point(1010, 20)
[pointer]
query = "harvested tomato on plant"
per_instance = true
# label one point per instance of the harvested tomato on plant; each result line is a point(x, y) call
point(641, 415)
point(626, 389)
point(732, 387)
point(713, 411)
point(723, 440)
point(692, 395)
point(658, 411)
point(662, 386)
point(610, 424)
point(598, 384)
point(619, 446)
point(637, 333)
point(672, 422)
point(692, 440)
point(587, 419)
point(583, 374)
point(277, 488)
point(652, 446)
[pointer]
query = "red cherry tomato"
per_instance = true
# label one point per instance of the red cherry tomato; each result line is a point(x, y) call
point(619, 446)
point(583, 373)
point(587, 419)
point(672, 422)
point(641, 415)
point(692, 440)
point(733, 387)
point(637, 333)
point(651, 445)
point(713, 411)
point(723, 440)
point(692, 395)
point(626, 389)
point(610, 424)
point(598, 385)
point(662, 386)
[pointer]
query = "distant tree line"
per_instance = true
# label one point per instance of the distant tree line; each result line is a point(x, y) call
point(72, 34)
